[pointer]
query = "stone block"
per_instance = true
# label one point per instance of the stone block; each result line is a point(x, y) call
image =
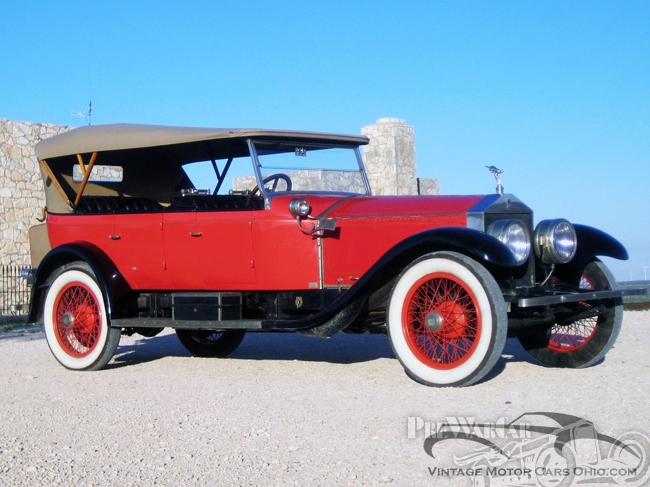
point(392, 144)
point(429, 186)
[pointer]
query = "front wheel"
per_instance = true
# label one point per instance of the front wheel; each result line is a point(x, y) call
point(557, 469)
point(447, 320)
point(210, 343)
point(582, 342)
point(75, 320)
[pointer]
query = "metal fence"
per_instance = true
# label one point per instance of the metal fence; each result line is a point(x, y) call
point(14, 291)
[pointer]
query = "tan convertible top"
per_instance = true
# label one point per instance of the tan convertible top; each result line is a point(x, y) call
point(151, 157)
point(99, 138)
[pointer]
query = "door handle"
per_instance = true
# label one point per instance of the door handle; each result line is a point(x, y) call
point(196, 234)
point(114, 237)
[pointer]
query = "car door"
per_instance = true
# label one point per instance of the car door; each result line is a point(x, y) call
point(226, 249)
point(209, 250)
point(138, 243)
point(182, 239)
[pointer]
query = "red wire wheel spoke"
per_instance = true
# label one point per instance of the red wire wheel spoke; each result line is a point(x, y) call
point(572, 337)
point(459, 333)
point(77, 319)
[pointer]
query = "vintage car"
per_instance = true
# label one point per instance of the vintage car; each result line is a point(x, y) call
point(219, 232)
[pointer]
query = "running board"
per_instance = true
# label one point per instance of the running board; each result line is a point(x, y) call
point(186, 324)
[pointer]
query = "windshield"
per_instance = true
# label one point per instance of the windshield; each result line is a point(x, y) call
point(284, 166)
point(301, 167)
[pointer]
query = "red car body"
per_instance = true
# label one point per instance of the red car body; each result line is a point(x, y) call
point(257, 249)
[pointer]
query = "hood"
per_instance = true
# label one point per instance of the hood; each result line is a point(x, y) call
point(401, 206)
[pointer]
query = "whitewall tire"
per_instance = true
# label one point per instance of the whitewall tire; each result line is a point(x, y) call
point(447, 320)
point(75, 320)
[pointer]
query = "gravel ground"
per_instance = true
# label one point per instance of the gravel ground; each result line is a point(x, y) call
point(282, 410)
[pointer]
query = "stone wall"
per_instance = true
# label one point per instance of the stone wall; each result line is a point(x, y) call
point(389, 159)
point(427, 186)
point(21, 186)
point(311, 180)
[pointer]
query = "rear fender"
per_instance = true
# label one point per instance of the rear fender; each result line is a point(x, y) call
point(109, 279)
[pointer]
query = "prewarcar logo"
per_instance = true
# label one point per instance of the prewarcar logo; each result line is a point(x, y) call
point(540, 449)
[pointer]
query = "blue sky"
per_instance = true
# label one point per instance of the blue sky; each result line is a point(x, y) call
point(556, 93)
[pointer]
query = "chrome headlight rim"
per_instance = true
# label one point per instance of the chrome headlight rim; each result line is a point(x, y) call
point(555, 241)
point(515, 235)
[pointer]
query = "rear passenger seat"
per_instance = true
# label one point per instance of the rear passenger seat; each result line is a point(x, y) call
point(204, 202)
point(93, 205)
point(140, 205)
point(97, 205)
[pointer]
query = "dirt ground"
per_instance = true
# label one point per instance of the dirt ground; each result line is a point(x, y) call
point(282, 410)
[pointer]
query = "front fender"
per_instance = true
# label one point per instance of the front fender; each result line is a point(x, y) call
point(109, 279)
point(484, 248)
point(592, 243)
point(480, 246)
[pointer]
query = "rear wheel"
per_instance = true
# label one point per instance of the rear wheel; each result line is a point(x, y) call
point(210, 343)
point(447, 320)
point(585, 341)
point(75, 320)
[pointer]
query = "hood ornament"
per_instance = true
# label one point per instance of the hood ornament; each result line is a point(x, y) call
point(496, 171)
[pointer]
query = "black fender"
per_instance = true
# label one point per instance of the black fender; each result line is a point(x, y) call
point(483, 248)
point(109, 279)
point(480, 246)
point(592, 243)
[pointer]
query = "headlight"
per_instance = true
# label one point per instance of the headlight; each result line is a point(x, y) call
point(514, 234)
point(555, 241)
point(299, 207)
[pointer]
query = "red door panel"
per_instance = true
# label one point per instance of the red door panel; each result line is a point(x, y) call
point(182, 235)
point(285, 258)
point(209, 250)
point(226, 249)
point(140, 250)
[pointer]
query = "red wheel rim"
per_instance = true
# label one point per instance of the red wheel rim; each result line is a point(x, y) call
point(459, 334)
point(77, 319)
point(576, 335)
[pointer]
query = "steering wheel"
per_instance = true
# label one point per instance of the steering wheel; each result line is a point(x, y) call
point(273, 177)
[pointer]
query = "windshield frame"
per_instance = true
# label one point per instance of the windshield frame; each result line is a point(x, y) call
point(268, 196)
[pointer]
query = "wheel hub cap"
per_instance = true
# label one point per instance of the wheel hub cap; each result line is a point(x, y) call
point(68, 320)
point(434, 321)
